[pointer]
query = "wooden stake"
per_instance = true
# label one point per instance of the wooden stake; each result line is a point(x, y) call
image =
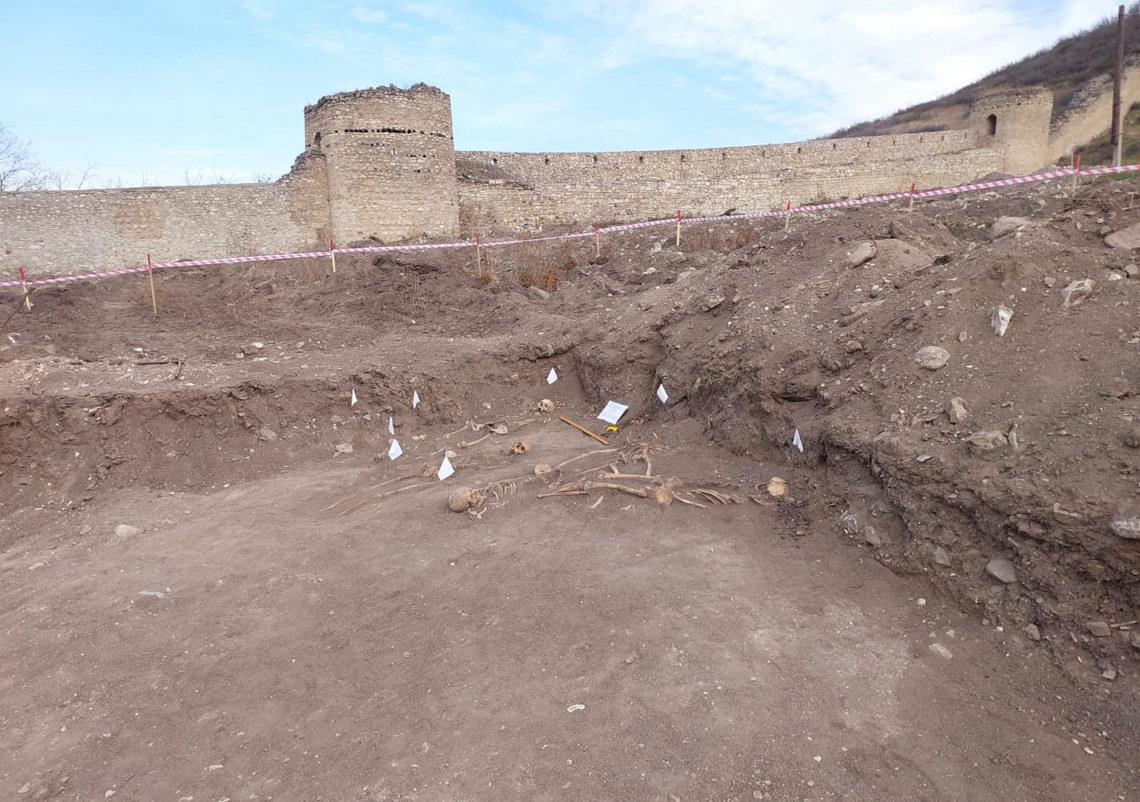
point(150, 275)
point(910, 202)
point(332, 253)
point(478, 257)
point(582, 429)
point(24, 287)
point(597, 241)
point(788, 216)
point(1076, 168)
point(678, 228)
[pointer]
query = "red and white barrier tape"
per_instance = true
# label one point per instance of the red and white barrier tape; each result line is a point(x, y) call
point(1051, 175)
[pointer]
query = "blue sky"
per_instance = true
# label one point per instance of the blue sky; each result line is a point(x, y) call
point(186, 90)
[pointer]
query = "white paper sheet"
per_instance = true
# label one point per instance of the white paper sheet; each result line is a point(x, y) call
point(354, 399)
point(391, 425)
point(552, 376)
point(612, 412)
point(664, 396)
point(415, 398)
point(797, 442)
point(445, 469)
point(394, 450)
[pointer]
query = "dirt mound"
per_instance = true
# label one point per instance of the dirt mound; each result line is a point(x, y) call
point(1019, 449)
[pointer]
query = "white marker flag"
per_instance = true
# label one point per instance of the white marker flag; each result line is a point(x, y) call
point(797, 442)
point(612, 412)
point(552, 376)
point(354, 400)
point(394, 450)
point(391, 425)
point(445, 469)
point(664, 396)
point(415, 398)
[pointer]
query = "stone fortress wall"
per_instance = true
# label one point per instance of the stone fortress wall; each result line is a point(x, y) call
point(380, 165)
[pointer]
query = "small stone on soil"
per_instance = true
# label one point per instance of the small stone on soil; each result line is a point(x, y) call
point(1099, 629)
point(941, 651)
point(1127, 528)
point(1007, 225)
point(1002, 570)
point(872, 537)
point(1032, 632)
point(126, 530)
point(932, 357)
point(861, 255)
point(941, 557)
point(957, 410)
point(1077, 291)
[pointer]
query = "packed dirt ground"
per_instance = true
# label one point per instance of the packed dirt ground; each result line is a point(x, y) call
point(215, 585)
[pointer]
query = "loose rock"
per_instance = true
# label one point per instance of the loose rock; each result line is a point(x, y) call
point(1127, 528)
point(344, 448)
point(538, 293)
point(1132, 271)
point(126, 530)
point(266, 434)
point(777, 487)
point(987, 440)
point(1132, 438)
point(1004, 226)
point(872, 536)
point(957, 410)
point(1077, 291)
point(1000, 321)
point(941, 557)
point(941, 651)
point(1002, 570)
point(1032, 632)
point(1125, 238)
point(932, 357)
point(1099, 629)
point(713, 301)
point(861, 255)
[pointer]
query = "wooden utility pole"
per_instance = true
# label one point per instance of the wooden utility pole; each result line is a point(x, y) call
point(1118, 77)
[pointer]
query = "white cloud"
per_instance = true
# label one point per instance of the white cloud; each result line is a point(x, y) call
point(370, 16)
point(827, 64)
point(258, 9)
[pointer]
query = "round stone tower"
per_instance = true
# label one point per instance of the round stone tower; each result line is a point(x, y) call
point(1017, 121)
point(390, 158)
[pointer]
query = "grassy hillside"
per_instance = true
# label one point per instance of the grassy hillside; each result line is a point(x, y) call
point(1065, 67)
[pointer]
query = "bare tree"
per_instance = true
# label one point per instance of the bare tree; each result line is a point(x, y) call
point(18, 170)
point(65, 179)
